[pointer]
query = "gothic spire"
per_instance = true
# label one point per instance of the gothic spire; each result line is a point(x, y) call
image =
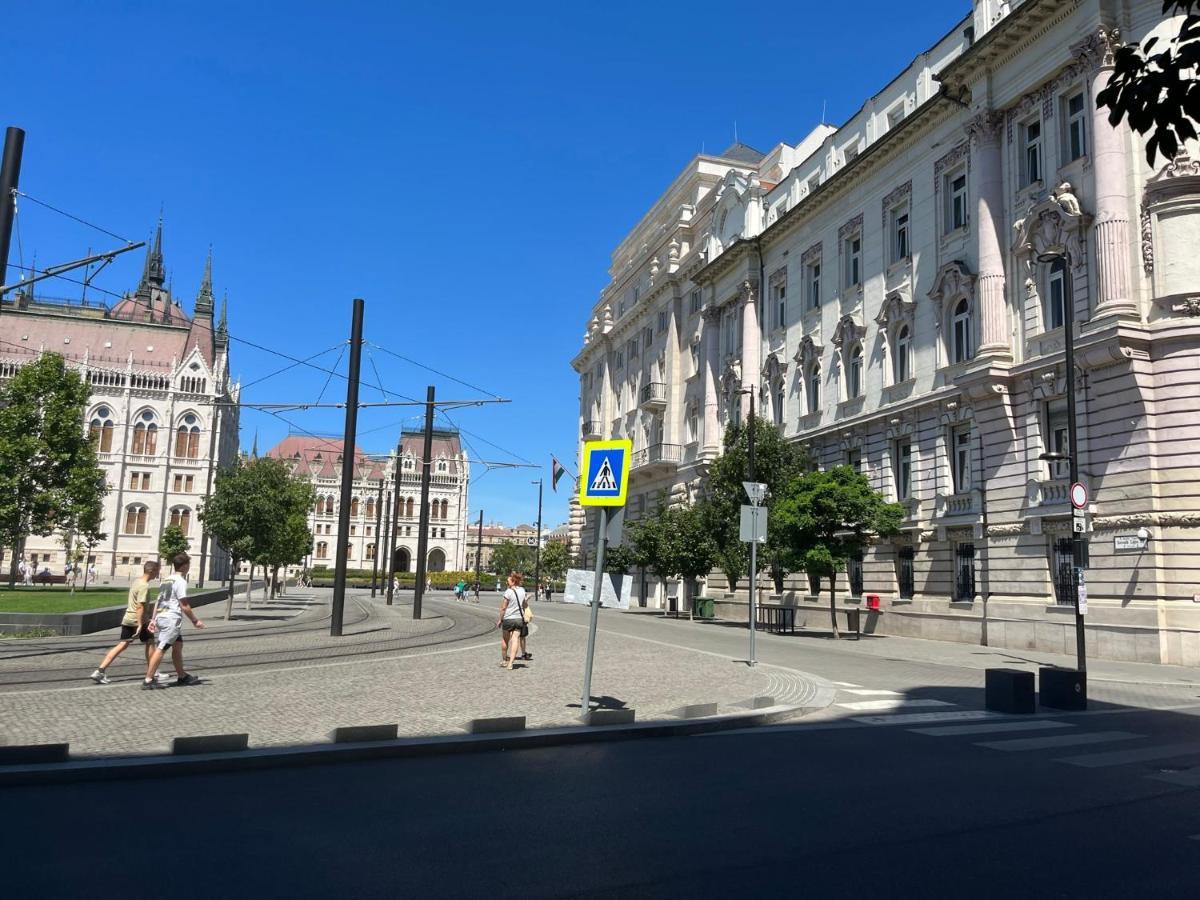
point(154, 262)
point(221, 337)
point(204, 299)
point(254, 446)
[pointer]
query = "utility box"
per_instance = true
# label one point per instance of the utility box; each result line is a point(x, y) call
point(1009, 690)
point(1062, 688)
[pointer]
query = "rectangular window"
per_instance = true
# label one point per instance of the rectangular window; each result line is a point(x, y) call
point(902, 468)
point(177, 485)
point(133, 481)
point(620, 309)
point(851, 153)
point(854, 459)
point(853, 253)
point(854, 573)
point(814, 285)
point(779, 304)
point(1076, 127)
point(145, 481)
point(956, 201)
point(1056, 296)
point(960, 458)
point(900, 234)
point(188, 483)
point(633, 347)
point(895, 116)
point(1057, 437)
point(662, 321)
point(1062, 561)
point(1032, 141)
point(695, 348)
point(814, 584)
point(905, 573)
point(637, 293)
point(695, 302)
point(814, 182)
point(620, 359)
point(964, 572)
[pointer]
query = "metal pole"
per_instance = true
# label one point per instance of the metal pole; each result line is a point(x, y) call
point(394, 512)
point(537, 559)
point(478, 555)
point(378, 539)
point(423, 534)
point(601, 547)
point(753, 544)
point(1073, 462)
point(348, 440)
point(10, 174)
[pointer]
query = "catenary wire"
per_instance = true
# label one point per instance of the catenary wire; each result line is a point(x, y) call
point(72, 217)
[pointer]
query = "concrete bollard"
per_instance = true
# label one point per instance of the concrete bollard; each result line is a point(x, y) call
point(210, 743)
point(697, 711)
point(354, 734)
point(496, 725)
point(609, 717)
point(19, 754)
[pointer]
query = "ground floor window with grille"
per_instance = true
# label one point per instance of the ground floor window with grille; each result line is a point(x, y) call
point(814, 584)
point(1061, 562)
point(964, 572)
point(854, 573)
point(905, 575)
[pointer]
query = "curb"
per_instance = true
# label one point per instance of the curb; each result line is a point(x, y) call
point(402, 748)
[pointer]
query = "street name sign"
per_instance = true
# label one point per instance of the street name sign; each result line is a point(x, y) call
point(1128, 542)
point(605, 473)
point(754, 524)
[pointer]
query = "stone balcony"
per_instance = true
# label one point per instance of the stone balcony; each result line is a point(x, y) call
point(591, 430)
point(653, 396)
point(1052, 493)
point(657, 456)
point(966, 505)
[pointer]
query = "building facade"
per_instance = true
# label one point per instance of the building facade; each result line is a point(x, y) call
point(399, 477)
point(163, 410)
point(892, 293)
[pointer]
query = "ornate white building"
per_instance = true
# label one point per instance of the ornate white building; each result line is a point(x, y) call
point(320, 459)
point(893, 292)
point(163, 410)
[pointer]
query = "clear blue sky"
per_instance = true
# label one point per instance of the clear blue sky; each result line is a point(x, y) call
point(466, 168)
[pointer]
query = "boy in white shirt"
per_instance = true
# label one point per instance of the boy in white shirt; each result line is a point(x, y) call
point(166, 624)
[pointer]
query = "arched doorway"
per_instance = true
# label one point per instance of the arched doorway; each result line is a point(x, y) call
point(437, 560)
point(402, 561)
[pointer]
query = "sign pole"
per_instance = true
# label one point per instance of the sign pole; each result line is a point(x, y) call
point(754, 543)
point(601, 547)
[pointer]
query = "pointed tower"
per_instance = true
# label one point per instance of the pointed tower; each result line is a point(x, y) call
point(155, 271)
point(204, 299)
point(221, 335)
point(254, 446)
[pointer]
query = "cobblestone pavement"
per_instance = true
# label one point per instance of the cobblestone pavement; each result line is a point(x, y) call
point(283, 680)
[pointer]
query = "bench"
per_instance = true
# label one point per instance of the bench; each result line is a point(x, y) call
point(776, 618)
point(51, 579)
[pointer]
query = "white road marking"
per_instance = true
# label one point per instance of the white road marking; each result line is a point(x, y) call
point(1120, 757)
point(899, 703)
point(1062, 740)
point(964, 715)
point(987, 727)
point(868, 692)
point(844, 683)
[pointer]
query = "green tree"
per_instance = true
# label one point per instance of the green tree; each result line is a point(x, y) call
point(509, 556)
point(291, 540)
point(1159, 91)
point(825, 516)
point(555, 559)
point(171, 543)
point(776, 463)
point(82, 514)
point(49, 477)
point(619, 558)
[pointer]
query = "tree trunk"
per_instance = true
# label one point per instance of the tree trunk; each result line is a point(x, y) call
point(833, 605)
point(18, 553)
point(229, 599)
point(274, 579)
point(249, 585)
point(777, 577)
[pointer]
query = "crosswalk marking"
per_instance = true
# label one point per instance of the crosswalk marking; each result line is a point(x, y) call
point(958, 715)
point(898, 703)
point(1142, 754)
point(1062, 740)
point(871, 692)
point(987, 727)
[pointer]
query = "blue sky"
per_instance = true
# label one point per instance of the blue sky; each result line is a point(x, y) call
point(466, 168)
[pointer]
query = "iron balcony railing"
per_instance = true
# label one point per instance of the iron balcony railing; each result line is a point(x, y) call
point(657, 453)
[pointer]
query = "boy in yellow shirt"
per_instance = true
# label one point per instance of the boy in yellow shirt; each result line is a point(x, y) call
point(134, 624)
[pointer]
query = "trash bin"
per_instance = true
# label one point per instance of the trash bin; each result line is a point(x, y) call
point(702, 608)
point(852, 623)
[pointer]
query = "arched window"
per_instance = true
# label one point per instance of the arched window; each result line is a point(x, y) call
point(442, 467)
point(1056, 294)
point(187, 438)
point(370, 551)
point(960, 332)
point(322, 550)
point(100, 429)
point(349, 549)
point(814, 388)
point(370, 507)
point(320, 505)
point(329, 506)
point(445, 507)
point(135, 519)
point(145, 435)
point(408, 507)
point(903, 357)
point(354, 508)
point(182, 516)
point(433, 509)
point(854, 372)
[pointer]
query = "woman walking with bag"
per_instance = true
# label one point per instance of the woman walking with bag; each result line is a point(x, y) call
point(512, 619)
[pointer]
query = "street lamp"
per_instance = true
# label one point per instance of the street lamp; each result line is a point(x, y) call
point(1072, 454)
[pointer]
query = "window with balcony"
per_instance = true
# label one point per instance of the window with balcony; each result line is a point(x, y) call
point(1076, 127)
point(902, 467)
point(354, 507)
point(955, 191)
point(960, 458)
point(1031, 151)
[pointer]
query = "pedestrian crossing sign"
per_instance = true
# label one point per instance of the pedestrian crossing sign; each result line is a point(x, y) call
point(605, 473)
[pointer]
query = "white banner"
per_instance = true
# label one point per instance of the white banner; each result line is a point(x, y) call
point(615, 590)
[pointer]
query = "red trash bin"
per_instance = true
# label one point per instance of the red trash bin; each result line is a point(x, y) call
point(873, 602)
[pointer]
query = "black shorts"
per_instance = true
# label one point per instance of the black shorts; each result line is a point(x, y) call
point(127, 632)
point(513, 625)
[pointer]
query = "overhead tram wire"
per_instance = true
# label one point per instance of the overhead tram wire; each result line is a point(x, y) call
point(337, 362)
point(422, 365)
point(75, 218)
point(291, 366)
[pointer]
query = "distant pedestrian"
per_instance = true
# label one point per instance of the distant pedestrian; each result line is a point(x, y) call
point(166, 624)
point(511, 620)
point(30, 568)
point(460, 590)
point(91, 573)
point(135, 624)
point(428, 584)
point(549, 590)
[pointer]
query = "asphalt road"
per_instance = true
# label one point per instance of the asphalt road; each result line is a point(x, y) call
point(832, 810)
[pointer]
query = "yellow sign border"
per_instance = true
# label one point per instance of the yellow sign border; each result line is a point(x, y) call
point(585, 467)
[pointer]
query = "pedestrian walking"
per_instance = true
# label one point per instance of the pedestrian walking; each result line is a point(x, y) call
point(91, 573)
point(511, 620)
point(135, 623)
point(166, 624)
point(460, 590)
point(549, 590)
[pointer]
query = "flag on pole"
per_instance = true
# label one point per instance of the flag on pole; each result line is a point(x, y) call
point(557, 471)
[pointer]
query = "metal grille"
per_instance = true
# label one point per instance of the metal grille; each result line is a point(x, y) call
point(1061, 571)
point(854, 572)
point(964, 572)
point(905, 576)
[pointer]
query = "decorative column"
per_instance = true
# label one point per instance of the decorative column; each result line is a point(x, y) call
point(984, 131)
point(1110, 168)
point(751, 341)
point(711, 337)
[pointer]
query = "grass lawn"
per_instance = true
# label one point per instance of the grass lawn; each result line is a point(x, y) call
point(59, 600)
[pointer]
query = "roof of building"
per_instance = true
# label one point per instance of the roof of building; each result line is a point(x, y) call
point(320, 457)
point(742, 153)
